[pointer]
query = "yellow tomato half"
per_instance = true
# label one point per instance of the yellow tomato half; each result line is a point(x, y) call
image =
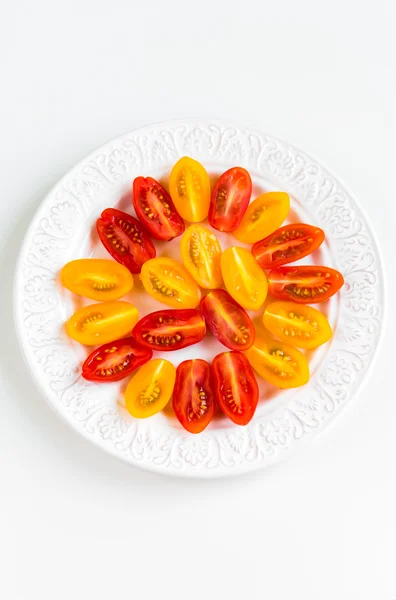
point(297, 324)
point(201, 252)
point(150, 389)
point(97, 278)
point(278, 363)
point(244, 278)
point(101, 323)
point(263, 216)
point(189, 188)
point(169, 282)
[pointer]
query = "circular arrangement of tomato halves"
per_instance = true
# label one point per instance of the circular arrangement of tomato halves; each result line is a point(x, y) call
point(234, 281)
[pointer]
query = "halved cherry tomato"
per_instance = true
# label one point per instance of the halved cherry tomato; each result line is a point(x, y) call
point(305, 285)
point(265, 214)
point(193, 398)
point(125, 238)
point(287, 244)
point(189, 188)
point(278, 363)
point(228, 321)
point(170, 329)
point(298, 325)
point(116, 360)
point(230, 199)
point(235, 386)
point(150, 389)
point(101, 323)
point(244, 278)
point(169, 282)
point(201, 253)
point(96, 278)
point(155, 209)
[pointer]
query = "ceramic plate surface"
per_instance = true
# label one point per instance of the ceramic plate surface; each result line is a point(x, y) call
point(63, 229)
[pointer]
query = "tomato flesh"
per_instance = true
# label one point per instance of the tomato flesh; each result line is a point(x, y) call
point(287, 244)
point(235, 386)
point(96, 278)
point(230, 199)
point(201, 253)
point(155, 209)
point(243, 278)
point(228, 321)
point(297, 324)
point(150, 389)
point(125, 238)
point(263, 216)
point(193, 398)
point(278, 363)
point(305, 284)
point(189, 187)
point(169, 282)
point(116, 360)
point(170, 329)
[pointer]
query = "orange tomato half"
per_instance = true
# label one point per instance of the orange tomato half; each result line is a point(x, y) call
point(297, 324)
point(243, 277)
point(97, 278)
point(189, 188)
point(201, 253)
point(169, 282)
point(101, 323)
point(263, 216)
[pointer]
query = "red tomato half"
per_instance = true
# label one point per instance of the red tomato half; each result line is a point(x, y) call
point(287, 244)
point(230, 199)
point(125, 238)
point(304, 285)
point(228, 321)
point(193, 399)
point(170, 329)
point(116, 360)
point(155, 209)
point(235, 386)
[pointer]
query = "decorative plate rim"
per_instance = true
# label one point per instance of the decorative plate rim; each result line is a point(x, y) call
point(214, 453)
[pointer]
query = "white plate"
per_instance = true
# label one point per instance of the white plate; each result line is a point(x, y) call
point(62, 229)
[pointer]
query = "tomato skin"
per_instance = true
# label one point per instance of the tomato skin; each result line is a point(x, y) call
point(305, 284)
point(243, 278)
point(150, 389)
point(169, 282)
point(193, 399)
point(235, 386)
point(297, 324)
point(201, 253)
point(263, 216)
point(96, 278)
point(167, 330)
point(155, 209)
point(230, 199)
point(278, 363)
point(189, 187)
point(125, 238)
point(120, 358)
point(287, 244)
point(102, 323)
point(227, 320)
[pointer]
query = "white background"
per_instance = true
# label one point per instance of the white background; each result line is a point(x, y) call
point(76, 523)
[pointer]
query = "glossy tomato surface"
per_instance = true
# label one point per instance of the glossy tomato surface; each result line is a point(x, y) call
point(189, 187)
point(193, 397)
point(227, 320)
point(150, 389)
point(235, 386)
point(230, 199)
point(244, 278)
point(116, 360)
point(287, 244)
point(263, 216)
point(155, 209)
point(170, 329)
point(278, 363)
point(304, 285)
point(125, 238)
point(297, 324)
point(96, 278)
point(169, 282)
point(101, 323)
point(201, 253)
